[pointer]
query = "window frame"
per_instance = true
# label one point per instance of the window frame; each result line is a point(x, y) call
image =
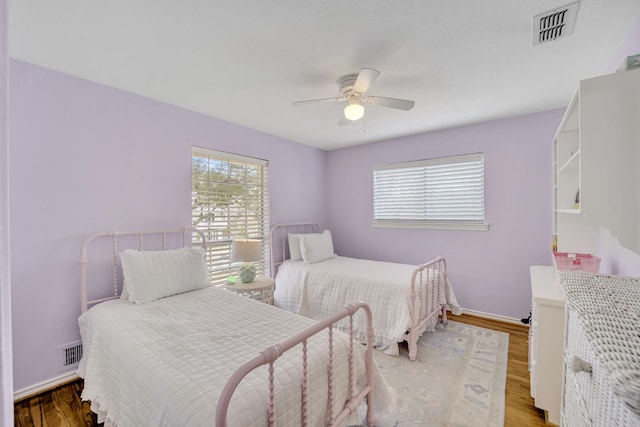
point(448, 224)
point(218, 256)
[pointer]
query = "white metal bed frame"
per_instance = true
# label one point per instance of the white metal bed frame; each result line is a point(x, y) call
point(84, 301)
point(422, 308)
point(269, 355)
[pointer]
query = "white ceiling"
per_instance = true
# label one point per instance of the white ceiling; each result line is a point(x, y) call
point(246, 61)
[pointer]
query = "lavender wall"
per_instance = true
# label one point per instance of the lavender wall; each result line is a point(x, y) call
point(488, 269)
point(87, 158)
point(630, 46)
point(6, 370)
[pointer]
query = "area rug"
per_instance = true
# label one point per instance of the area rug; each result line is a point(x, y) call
point(458, 378)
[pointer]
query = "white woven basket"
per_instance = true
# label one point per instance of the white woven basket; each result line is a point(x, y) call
point(607, 311)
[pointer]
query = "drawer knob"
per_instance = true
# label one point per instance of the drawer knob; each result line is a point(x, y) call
point(580, 365)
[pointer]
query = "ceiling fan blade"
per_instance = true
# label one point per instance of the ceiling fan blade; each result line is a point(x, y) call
point(317, 101)
point(365, 79)
point(400, 104)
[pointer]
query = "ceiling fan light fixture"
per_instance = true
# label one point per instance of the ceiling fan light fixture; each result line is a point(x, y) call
point(354, 110)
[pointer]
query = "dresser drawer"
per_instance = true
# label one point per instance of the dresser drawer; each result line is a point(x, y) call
point(574, 411)
point(587, 397)
point(586, 378)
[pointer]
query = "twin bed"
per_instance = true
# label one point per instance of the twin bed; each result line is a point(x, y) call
point(311, 280)
point(163, 348)
point(169, 350)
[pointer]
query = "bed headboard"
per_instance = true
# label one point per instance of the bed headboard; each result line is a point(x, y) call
point(119, 241)
point(280, 242)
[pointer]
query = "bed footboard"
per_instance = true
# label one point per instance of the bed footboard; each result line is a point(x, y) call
point(270, 354)
point(428, 284)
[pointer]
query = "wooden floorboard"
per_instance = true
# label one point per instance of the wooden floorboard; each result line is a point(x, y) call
point(62, 406)
point(59, 407)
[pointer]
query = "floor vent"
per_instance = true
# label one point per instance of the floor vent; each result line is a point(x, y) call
point(70, 355)
point(554, 24)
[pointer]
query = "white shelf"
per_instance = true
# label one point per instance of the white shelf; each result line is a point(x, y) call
point(595, 155)
point(575, 211)
point(569, 223)
point(571, 121)
point(571, 163)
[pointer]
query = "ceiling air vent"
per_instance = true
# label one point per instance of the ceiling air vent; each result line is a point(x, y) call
point(554, 24)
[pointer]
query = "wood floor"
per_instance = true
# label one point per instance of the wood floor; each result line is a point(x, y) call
point(62, 407)
point(519, 409)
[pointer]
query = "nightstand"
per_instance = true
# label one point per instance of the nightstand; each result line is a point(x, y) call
point(260, 289)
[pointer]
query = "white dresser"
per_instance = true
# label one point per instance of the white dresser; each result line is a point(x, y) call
point(546, 337)
point(601, 384)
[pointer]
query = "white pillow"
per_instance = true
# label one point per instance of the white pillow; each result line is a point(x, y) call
point(151, 275)
point(294, 247)
point(125, 293)
point(316, 247)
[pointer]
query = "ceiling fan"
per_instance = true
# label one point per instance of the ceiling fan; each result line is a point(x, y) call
point(354, 89)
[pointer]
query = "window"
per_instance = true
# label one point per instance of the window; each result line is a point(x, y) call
point(229, 197)
point(446, 192)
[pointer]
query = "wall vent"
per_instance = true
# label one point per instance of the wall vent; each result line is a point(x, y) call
point(554, 24)
point(70, 355)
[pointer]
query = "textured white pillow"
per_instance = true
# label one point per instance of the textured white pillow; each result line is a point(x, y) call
point(294, 247)
point(151, 275)
point(316, 247)
point(125, 293)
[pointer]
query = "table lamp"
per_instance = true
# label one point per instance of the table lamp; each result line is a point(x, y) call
point(246, 251)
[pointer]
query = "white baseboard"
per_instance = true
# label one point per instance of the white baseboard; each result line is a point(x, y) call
point(492, 316)
point(45, 385)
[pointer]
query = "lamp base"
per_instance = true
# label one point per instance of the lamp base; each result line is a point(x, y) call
point(247, 272)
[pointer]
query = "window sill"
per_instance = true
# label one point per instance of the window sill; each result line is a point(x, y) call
point(434, 225)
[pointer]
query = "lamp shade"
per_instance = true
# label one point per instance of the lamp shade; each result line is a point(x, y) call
point(246, 250)
point(354, 110)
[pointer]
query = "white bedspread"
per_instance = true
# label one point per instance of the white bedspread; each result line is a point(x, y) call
point(164, 363)
point(315, 290)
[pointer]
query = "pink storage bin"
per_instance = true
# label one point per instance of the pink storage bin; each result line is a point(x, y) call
point(569, 261)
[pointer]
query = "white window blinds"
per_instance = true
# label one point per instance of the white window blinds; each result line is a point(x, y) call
point(447, 192)
point(230, 199)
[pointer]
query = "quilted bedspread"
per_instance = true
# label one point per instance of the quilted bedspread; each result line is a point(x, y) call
point(316, 290)
point(164, 363)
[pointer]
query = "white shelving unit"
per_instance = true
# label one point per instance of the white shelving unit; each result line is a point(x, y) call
point(596, 155)
point(572, 229)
